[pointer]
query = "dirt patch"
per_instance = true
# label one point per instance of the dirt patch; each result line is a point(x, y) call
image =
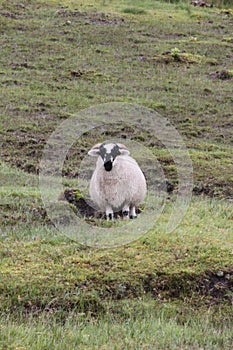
point(222, 75)
point(98, 18)
point(11, 15)
point(218, 285)
point(200, 3)
point(64, 12)
point(29, 144)
point(82, 206)
point(22, 65)
point(216, 189)
point(105, 19)
point(215, 286)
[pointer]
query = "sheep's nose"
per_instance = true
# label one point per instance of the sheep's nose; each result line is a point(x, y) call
point(108, 166)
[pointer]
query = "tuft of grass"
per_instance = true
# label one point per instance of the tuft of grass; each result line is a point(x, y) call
point(134, 11)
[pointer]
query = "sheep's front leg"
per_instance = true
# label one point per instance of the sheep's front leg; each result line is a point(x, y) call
point(109, 213)
point(132, 213)
point(125, 212)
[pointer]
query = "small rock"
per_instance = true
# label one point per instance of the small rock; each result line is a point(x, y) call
point(220, 273)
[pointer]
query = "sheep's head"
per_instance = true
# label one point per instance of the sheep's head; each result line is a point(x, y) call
point(108, 153)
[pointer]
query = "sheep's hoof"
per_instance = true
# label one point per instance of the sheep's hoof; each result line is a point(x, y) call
point(133, 217)
point(125, 214)
point(110, 217)
point(109, 214)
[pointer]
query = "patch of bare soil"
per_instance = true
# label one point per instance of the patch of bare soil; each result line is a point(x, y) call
point(98, 18)
point(215, 189)
point(200, 3)
point(28, 144)
point(218, 285)
point(82, 206)
point(11, 15)
point(215, 286)
point(222, 75)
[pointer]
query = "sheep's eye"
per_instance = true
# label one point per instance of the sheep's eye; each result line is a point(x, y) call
point(102, 151)
point(115, 151)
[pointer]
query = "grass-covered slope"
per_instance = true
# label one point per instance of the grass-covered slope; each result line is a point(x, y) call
point(176, 59)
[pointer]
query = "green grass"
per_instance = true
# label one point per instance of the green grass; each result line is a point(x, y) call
point(140, 325)
point(56, 293)
point(163, 291)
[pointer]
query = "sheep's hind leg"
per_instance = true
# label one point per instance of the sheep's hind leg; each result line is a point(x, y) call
point(132, 213)
point(109, 214)
point(125, 212)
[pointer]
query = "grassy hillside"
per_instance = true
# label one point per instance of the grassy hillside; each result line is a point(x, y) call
point(163, 291)
point(57, 60)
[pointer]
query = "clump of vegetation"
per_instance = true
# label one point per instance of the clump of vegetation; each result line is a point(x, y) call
point(228, 40)
point(228, 12)
point(199, 59)
point(134, 11)
point(175, 55)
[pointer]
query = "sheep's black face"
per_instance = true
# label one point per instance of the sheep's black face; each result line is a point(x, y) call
point(108, 166)
point(108, 153)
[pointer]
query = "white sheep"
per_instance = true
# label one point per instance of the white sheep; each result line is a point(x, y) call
point(117, 183)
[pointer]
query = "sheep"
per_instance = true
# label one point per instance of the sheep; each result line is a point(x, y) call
point(117, 183)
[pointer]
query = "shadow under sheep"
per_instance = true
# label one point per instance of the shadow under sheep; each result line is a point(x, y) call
point(84, 209)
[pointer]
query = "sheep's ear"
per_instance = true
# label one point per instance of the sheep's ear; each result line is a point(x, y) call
point(124, 151)
point(95, 151)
